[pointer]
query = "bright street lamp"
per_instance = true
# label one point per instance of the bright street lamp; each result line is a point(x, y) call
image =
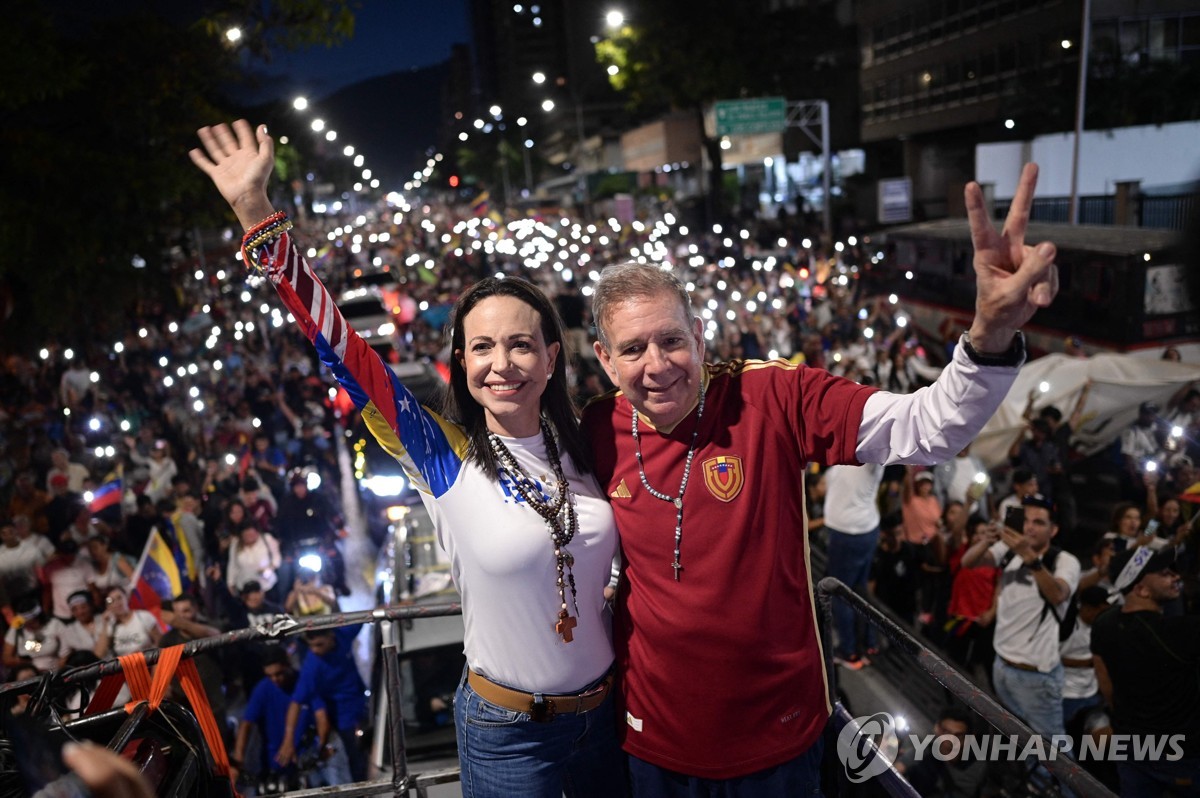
point(614, 19)
point(300, 103)
point(547, 105)
point(318, 125)
point(494, 111)
point(539, 78)
point(233, 35)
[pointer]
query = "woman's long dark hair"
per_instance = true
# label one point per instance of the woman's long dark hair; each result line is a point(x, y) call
point(556, 404)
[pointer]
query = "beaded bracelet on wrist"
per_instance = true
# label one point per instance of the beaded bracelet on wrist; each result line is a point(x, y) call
point(278, 216)
point(250, 247)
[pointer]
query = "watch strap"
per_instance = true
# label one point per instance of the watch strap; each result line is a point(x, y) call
point(1012, 357)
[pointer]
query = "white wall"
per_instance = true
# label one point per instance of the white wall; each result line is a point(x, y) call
point(1166, 155)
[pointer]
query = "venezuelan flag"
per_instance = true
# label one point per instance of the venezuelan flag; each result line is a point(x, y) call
point(107, 495)
point(481, 204)
point(157, 577)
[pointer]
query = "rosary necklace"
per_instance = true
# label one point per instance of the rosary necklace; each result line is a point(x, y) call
point(687, 472)
point(552, 512)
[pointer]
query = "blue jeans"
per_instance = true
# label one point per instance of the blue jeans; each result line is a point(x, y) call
point(799, 777)
point(1034, 697)
point(335, 769)
point(504, 753)
point(850, 559)
point(1073, 706)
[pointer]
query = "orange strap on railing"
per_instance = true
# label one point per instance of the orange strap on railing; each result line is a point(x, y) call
point(142, 688)
point(189, 677)
point(137, 675)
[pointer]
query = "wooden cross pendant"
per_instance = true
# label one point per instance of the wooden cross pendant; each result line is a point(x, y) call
point(564, 626)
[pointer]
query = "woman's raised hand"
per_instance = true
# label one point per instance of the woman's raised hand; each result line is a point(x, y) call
point(239, 161)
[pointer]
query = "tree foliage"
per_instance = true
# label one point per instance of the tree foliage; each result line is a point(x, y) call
point(95, 124)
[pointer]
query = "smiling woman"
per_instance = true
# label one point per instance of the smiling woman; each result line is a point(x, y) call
point(507, 481)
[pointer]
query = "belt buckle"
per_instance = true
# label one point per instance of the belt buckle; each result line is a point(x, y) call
point(542, 709)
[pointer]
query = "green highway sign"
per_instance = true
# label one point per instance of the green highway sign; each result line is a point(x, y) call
point(750, 117)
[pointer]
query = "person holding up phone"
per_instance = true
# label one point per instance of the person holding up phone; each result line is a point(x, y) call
point(1037, 581)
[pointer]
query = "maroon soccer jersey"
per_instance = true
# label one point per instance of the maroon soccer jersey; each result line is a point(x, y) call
point(722, 671)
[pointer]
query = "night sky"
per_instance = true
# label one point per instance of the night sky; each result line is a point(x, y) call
point(389, 36)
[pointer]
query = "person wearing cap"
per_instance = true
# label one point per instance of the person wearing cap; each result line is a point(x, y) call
point(1036, 584)
point(1148, 669)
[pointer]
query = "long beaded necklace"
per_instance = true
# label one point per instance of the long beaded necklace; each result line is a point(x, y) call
point(552, 513)
point(687, 472)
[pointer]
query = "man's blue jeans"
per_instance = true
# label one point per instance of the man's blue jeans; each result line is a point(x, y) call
point(796, 778)
point(1034, 697)
point(850, 559)
point(505, 753)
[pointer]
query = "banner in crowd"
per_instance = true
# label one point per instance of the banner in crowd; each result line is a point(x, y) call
point(1120, 383)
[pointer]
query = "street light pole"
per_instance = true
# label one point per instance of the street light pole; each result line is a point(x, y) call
point(1080, 103)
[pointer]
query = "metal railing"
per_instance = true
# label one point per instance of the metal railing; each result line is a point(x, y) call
point(401, 780)
point(1065, 769)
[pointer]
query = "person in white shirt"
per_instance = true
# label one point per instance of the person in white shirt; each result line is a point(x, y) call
point(852, 520)
point(124, 630)
point(964, 479)
point(32, 639)
point(1081, 690)
point(1028, 671)
point(76, 474)
point(19, 561)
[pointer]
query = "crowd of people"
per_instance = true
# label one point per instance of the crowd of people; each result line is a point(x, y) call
point(214, 418)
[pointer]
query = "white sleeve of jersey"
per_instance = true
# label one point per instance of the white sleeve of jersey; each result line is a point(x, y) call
point(933, 424)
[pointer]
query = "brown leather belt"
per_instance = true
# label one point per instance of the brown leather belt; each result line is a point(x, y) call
point(1021, 666)
point(548, 706)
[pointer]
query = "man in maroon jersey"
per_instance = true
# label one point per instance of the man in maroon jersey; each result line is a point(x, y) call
point(717, 641)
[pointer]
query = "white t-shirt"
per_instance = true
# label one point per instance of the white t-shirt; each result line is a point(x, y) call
point(502, 558)
point(134, 634)
point(43, 647)
point(17, 566)
point(1024, 633)
point(1079, 682)
point(76, 637)
point(851, 504)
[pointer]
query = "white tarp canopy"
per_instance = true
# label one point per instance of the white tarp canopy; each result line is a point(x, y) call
point(1119, 384)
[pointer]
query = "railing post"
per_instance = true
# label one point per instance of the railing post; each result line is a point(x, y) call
point(390, 651)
